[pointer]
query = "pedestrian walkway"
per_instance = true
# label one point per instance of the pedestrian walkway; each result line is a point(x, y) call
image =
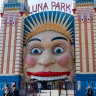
point(48, 92)
point(56, 93)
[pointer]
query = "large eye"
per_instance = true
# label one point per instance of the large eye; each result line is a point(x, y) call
point(36, 51)
point(58, 50)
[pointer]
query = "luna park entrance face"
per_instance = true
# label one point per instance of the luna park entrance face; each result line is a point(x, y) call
point(49, 53)
point(50, 88)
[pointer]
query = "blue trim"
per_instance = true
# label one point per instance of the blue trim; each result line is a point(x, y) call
point(84, 1)
point(12, 5)
point(85, 77)
point(10, 78)
point(18, 80)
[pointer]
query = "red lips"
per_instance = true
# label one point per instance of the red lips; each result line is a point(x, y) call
point(48, 74)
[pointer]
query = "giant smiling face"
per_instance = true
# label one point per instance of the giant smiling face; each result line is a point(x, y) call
point(48, 56)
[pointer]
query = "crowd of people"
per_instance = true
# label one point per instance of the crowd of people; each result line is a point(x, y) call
point(12, 92)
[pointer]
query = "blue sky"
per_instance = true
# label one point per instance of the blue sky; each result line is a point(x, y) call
point(31, 2)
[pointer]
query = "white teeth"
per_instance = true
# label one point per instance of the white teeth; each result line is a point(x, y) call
point(48, 78)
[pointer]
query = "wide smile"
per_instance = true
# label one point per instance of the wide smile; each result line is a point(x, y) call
point(47, 74)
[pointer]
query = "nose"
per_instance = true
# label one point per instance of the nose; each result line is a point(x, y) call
point(46, 59)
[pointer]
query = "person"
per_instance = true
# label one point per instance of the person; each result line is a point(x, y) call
point(39, 87)
point(89, 91)
point(7, 91)
point(49, 46)
point(14, 91)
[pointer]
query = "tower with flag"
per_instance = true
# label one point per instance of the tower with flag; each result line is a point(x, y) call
point(11, 42)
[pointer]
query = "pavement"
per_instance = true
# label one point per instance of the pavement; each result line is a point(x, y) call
point(55, 93)
point(48, 93)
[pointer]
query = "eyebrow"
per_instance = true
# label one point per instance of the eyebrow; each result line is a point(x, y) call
point(34, 39)
point(56, 38)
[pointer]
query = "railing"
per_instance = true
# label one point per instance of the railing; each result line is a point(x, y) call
point(84, 1)
point(12, 5)
point(22, 6)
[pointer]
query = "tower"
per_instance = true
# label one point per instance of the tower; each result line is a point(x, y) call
point(85, 44)
point(11, 42)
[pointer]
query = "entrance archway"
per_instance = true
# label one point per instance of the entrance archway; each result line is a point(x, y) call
point(58, 88)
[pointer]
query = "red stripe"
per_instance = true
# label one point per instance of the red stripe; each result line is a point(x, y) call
point(9, 47)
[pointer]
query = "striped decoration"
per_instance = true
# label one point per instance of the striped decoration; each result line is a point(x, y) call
point(11, 16)
point(10, 31)
point(84, 11)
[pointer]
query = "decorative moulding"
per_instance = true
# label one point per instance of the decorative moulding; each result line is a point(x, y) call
point(74, 10)
point(21, 13)
point(95, 9)
point(1, 14)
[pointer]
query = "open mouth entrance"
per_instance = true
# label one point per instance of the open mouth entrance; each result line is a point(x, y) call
point(60, 87)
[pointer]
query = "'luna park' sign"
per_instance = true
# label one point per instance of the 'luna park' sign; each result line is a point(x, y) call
point(52, 6)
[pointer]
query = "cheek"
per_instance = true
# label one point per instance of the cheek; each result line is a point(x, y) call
point(31, 62)
point(63, 61)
